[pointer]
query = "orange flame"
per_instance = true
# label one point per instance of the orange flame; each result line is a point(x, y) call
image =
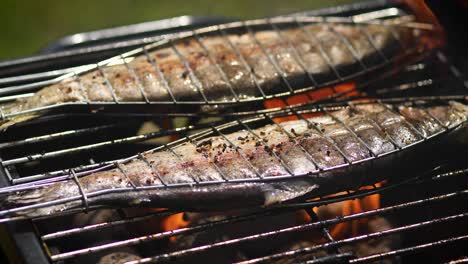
point(367, 203)
point(346, 89)
point(339, 231)
point(174, 222)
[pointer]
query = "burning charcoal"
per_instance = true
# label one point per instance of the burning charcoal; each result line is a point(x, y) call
point(118, 258)
point(358, 249)
point(295, 246)
point(374, 246)
point(97, 217)
point(235, 230)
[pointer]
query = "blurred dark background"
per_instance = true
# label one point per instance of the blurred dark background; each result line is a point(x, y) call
point(28, 26)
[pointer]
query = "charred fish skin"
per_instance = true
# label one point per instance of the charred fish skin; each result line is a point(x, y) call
point(226, 69)
point(304, 152)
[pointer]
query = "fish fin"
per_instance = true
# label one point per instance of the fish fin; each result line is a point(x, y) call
point(282, 192)
point(5, 124)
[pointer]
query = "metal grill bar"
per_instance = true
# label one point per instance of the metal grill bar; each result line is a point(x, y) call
point(160, 74)
point(194, 80)
point(296, 206)
point(269, 56)
point(82, 192)
point(32, 86)
point(318, 128)
point(406, 86)
point(320, 46)
point(371, 40)
point(117, 165)
point(402, 118)
point(391, 139)
point(325, 231)
point(408, 250)
point(239, 150)
point(380, 211)
point(356, 239)
point(295, 53)
point(82, 89)
point(213, 164)
point(216, 62)
point(57, 153)
point(90, 168)
point(349, 46)
point(108, 83)
point(307, 153)
point(135, 77)
point(64, 134)
point(332, 258)
point(54, 176)
point(100, 226)
point(241, 59)
point(282, 161)
point(139, 240)
point(4, 81)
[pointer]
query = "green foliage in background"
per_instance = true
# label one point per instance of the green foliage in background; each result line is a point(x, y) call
point(27, 26)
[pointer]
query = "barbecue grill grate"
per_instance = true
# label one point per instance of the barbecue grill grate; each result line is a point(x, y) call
point(25, 166)
point(278, 210)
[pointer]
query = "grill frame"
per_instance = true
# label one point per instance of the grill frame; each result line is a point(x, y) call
point(28, 240)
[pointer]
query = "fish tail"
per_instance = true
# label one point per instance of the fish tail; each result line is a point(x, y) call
point(25, 198)
point(14, 107)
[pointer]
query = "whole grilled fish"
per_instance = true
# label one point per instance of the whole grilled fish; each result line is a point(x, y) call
point(298, 147)
point(239, 66)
